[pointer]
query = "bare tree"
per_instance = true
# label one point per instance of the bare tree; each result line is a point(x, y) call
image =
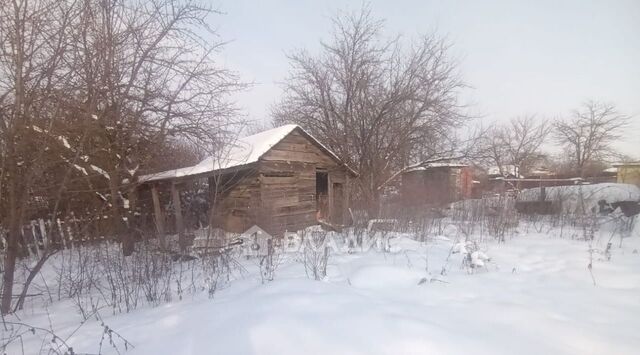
point(33, 44)
point(148, 76)
point(516, 143)
point(95, 87)
point(588, 133)
point(378, 104)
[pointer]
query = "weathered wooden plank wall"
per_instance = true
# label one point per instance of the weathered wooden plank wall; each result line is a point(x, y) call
point(235, 199)
point(288, 183)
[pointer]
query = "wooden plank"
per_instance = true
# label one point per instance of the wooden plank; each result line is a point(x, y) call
point(293, 146)
point(330, 197)
point(284, 201)
point(337, 216)
point(311, 211)
point(346, 212)
point(267, 180)
point(308, 157)
point(268, 194)
point(43, 232)
point(268, 166)
point(338, 176)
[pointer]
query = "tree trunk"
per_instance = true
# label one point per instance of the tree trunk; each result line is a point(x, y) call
point(32, 275)
point(374, 205)
point(119, 229)
point(372, 195)
point(7, 277)
point(10, 262)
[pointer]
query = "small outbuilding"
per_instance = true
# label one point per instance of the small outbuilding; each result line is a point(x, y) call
point(282, 179)
point(628, 173)
point(436, 184)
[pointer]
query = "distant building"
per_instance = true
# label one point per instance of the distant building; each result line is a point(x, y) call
point(505, 171)
point(436, 184)
point(511, 178)
point(628, 173)
point(608, 175)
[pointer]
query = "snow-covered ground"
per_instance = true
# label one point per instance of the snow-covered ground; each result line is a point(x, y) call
point(574, 198)
point(535, 296)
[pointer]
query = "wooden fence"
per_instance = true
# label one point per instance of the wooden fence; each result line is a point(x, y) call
point(37, 235)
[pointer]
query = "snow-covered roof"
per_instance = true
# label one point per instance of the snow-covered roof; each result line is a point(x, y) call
point(631, 163)
point(540, 172)
point(610, 170)
point(573, 196)
point(422, 166)
point(244, 151)
point(506, 170)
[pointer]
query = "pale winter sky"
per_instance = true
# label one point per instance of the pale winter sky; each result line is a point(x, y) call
point(538, 57)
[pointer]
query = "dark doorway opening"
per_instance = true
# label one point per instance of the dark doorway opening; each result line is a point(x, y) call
point(322, 195)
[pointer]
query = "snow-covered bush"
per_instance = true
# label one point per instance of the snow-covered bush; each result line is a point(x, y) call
point(271, 260)
point(98, 276)
point(495, 216)
point(472, 257)
point(315, 252)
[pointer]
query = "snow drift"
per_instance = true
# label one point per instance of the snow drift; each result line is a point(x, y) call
point(573, 198)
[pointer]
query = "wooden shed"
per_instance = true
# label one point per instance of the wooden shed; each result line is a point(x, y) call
point(436, 184)
point(628, 173)
point(281, 179)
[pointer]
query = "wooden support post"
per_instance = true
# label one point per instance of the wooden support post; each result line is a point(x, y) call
point(25, 242)
point(175, 196)
point(330, 196)
point(36, 242)
point(61, 230)
point(70, 233)
point(43, 233)
point(346, 212)
point(158, 217)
